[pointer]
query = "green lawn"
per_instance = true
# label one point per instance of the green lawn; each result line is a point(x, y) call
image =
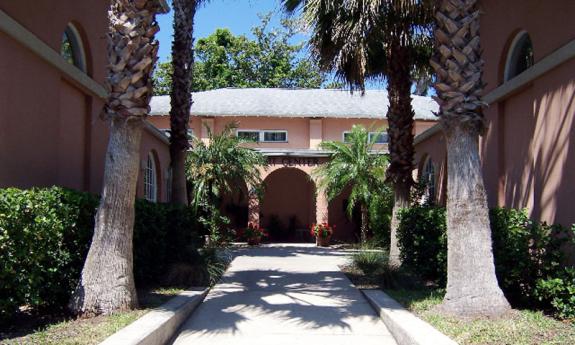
point(93, 330)
point(519, 327)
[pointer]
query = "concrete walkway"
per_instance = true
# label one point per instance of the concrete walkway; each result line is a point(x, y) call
point(285, 294)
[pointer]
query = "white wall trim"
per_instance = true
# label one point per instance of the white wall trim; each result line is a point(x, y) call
point(153, 130)
point(19, 33)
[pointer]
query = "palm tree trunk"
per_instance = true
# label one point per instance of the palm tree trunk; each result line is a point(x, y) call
point(400, 118)
point(180, 93)
point(364, 222)
point(107, 280)
point(401, 200)
point(472, 288)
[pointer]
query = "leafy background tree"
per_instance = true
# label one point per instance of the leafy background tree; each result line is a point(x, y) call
point(357, 165)
point(212, 170)
point(268, 60)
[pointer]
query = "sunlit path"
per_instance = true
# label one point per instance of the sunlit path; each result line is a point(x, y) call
point(285, 294)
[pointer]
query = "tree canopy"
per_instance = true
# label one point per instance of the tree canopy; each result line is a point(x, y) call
point(268, 60)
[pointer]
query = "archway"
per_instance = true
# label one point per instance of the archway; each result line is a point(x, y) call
point(234, 205)
point(288, 205)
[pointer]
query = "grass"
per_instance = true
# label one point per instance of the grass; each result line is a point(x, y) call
point(65, 331)
point(518, 327)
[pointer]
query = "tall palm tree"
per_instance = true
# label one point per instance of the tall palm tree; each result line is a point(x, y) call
point(180, 93)
point(472, 287)
point(362, 39)
point(107, 280)
point(214, 168)
point(357, 165)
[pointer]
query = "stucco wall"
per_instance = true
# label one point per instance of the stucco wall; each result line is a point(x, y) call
point(528, 152)
point(51, 132)
point(153, 143)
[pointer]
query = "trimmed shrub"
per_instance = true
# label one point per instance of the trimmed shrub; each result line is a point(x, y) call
point(45, 235)
point(529, 262)
point(525, 252)
point(422, 236)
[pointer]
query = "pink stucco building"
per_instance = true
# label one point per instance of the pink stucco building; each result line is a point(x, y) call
point(528, 152)
point(289, 125)
point(52, 71)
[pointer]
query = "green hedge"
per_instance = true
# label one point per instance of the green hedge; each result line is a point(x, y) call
point(45, 235)
point(529, 261)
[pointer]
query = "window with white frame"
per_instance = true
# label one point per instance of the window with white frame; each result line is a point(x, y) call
point(373, 137)
point(520, 56)
point(428, 179)
point(274, 136)
point(150, 179)
point(264, 136)
point(248, 135)
point(346, 137)
point(378, 137)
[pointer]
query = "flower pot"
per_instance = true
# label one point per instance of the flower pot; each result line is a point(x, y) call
point(322, 241)
point(254, 241)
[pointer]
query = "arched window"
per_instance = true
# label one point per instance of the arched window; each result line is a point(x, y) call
point(150, 179)
point(72, 49)
point(520, 56)
point(428, 179)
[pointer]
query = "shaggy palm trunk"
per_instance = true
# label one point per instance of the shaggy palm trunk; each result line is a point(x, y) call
point(107, 281)
point(364, 222)
point(400, 118)
point(181, 99)
point(472, 288)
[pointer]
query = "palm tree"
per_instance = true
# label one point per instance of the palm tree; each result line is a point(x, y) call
point(472, 287)
point(213, 168)
point(362, 39)
point(357, 165)
point(107, 280)
point(180, 93)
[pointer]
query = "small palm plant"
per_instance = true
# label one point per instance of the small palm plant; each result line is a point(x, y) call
point(357, 165)
point(214, 167)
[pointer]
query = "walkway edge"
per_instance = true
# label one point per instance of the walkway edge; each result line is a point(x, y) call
point(406, 328)
point(159, 325)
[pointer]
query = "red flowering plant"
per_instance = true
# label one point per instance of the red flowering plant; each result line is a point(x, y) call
point(322, 230)
point(254, 232)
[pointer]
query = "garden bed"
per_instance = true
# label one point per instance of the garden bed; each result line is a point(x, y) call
point(519, 327)
point(60, 329)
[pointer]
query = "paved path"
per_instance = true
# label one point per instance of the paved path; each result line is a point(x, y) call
point(285, 294)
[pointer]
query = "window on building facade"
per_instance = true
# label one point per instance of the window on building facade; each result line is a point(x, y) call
point(373, 137)
point(72, 49)
point(266, 136)
point(274, 136)
point(346, 137)
point(150, 179)
point(428, 179)
point(520, 56)
point(249, 135)
point(378, 138)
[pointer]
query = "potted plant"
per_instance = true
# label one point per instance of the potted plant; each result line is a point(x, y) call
point(322, 233)
point(254, 234)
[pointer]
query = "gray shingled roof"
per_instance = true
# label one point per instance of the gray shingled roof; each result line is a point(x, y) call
point(294, 103)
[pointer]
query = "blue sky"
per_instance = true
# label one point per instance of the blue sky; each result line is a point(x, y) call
point(237, 15)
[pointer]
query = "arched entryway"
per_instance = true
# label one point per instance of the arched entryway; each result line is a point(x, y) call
point(288, 206)
point(235, 205)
